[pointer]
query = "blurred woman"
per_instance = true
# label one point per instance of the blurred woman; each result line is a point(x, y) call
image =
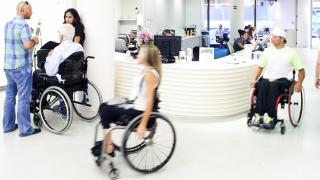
point(143, 96)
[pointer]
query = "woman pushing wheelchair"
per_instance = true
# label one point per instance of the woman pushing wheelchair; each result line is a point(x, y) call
point(277, 64)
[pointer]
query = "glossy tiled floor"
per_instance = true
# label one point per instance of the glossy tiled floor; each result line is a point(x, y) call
point(205, 150)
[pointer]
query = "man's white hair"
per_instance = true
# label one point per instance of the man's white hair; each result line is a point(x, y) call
point(67, 31)
point(20, 6)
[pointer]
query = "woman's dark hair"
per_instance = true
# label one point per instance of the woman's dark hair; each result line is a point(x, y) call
point(285, 41)
point(241, 32)
point(77, 20)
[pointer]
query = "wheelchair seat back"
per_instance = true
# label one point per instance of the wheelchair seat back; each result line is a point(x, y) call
point(72, 69)
point(41, 57)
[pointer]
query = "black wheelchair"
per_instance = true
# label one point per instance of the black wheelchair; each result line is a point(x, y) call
point(293, 100)
point(145, 155)
point(55, 98)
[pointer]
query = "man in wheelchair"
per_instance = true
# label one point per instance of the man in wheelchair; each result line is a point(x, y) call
point(56, 56)
point(276, 63)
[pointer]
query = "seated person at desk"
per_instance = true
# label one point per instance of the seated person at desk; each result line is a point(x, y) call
point(167, 32)
point(221, 36)
point(59, 53)
point(277, 62)
point(251, 35)
point(263, 42)
point(239, 43)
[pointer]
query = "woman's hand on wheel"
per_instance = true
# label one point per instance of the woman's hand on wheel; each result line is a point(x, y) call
point(141, 131)
point(298, 87)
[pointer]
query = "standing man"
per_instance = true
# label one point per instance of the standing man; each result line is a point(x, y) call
point(17, 67)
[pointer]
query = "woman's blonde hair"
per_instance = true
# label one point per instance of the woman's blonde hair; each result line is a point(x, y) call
point(153, 58)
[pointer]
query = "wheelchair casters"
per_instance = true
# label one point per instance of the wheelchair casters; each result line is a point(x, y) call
point(114, 172)
point(37, 120)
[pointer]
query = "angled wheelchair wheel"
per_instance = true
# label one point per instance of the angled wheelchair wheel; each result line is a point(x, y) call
point(86, 102)
point(55, 110)
point(153, 151)
point(252, 107)
point(295, 106)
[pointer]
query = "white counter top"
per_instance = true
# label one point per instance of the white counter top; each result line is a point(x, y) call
point(196, 90)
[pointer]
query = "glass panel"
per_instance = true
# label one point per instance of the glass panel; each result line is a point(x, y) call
point(315, 23)
point(249, 12)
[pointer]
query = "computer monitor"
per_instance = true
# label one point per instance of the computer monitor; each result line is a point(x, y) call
point(169, 46)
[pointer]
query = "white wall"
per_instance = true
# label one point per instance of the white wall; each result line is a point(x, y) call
point(304, 23)
point(97, 18)
point(117, 14)
point(194, 14)
point(127, 11)
point(288, 13)
point(162, 14)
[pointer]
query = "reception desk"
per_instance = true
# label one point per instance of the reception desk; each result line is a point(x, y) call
point(195, 90)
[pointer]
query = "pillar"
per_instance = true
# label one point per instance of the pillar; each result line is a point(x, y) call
point(98, 18)
point(236, 18)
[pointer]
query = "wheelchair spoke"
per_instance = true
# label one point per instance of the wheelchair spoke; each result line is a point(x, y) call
point(157, 156)
point(161, 152)
point(161, 145)
point(141, 160)
point(145, 166)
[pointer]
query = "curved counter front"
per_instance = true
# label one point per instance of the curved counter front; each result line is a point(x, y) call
point(196, 90)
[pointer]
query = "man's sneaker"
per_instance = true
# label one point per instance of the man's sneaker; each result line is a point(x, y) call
point(268, 122)
point(257, 119)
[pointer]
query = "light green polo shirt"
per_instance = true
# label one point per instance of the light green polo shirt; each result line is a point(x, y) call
point(279, 63)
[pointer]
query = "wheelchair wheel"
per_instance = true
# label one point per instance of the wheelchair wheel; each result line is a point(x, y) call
point(252, 107)
point(55, 110)
point(295, 106)
point(153, 151)
point(86, 102)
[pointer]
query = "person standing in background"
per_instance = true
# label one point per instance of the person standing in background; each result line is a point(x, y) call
point(18, 69)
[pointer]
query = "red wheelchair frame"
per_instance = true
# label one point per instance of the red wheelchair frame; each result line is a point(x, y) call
point(283, 99)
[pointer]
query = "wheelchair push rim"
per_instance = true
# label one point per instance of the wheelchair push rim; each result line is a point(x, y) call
point(156, 148)
point(295, 105)
point(86, 102)
point(55, 110)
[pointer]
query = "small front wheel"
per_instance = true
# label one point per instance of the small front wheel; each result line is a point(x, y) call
point(283, 130)
point(37, 120)
point(114, 173)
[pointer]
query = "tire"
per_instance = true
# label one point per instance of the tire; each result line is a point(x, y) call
point(252, 107)
point(86, 104)
point(150, 145)
point(55, 106)
point(295, 106)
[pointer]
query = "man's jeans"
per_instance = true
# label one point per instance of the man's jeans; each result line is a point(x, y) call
point(19, 81)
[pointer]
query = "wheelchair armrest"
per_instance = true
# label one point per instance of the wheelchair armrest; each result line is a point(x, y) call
point(90, 57)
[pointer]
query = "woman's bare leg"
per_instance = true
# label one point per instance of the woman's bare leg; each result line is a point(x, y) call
point(108, 145)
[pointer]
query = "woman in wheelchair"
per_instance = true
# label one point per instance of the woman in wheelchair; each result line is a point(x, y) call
point(276, 64)
point(143, 96)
